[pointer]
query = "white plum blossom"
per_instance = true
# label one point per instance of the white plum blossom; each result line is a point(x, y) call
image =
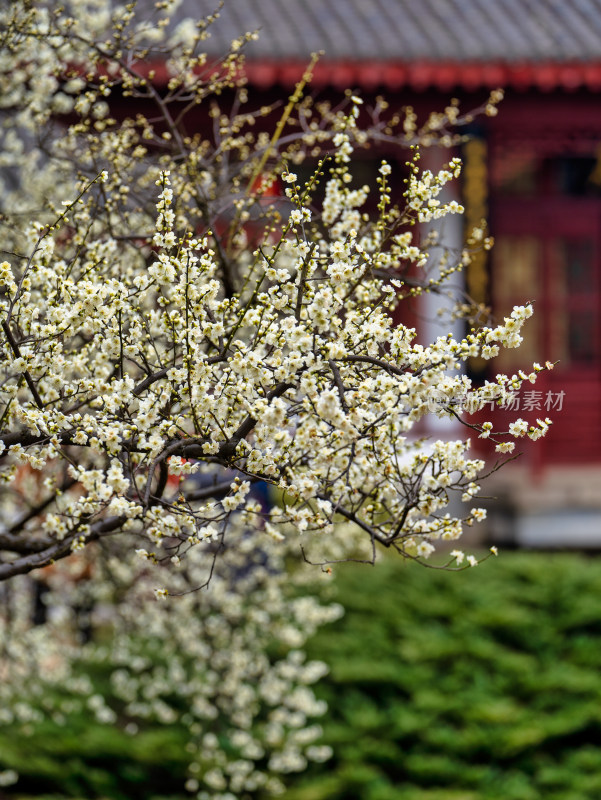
point(173, 336)
point(199, 659)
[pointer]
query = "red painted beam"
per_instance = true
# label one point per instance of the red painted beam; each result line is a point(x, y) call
point(416, 75)
point(421, 75)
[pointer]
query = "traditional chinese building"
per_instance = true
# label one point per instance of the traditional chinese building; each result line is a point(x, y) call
point(534, 171)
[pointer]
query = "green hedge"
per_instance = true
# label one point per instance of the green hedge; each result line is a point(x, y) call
point(86, 760)
point(484, 684)
point(467, 686)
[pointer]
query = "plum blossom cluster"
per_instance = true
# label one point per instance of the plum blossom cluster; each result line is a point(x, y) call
point(199, 662)
point(172, 336)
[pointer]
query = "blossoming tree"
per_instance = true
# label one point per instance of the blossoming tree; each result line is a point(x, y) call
point(172, 334)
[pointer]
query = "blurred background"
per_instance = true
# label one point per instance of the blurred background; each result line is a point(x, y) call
point(481, 685)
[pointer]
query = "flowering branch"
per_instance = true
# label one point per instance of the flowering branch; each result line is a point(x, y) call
point(240, 338)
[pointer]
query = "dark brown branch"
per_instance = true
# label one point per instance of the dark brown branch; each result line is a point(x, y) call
point(162, 482)
point(401, 522)
point(26, 439)
point(23, 544)
point(377, 362)
point(352, 517)
point(58, 549)
point(15, 348)
point(228, 449)
point(328, 562)
point(162, 373)
point(215, 490)
point(35, 560)
point(339, 384)
point(193, 448)
point(160, 460)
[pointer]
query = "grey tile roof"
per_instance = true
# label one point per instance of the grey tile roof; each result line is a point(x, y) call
point(511, 31)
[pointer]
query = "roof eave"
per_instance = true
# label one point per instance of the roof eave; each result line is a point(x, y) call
point(422, 75)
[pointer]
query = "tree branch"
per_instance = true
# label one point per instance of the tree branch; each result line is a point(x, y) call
point(377, 362)
point(339, 384)
point(26, 439)
point(15, 348)
point(352, 517)
point(58, 549)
